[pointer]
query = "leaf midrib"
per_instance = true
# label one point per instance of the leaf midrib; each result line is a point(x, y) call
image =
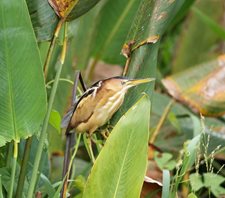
point(122, 166)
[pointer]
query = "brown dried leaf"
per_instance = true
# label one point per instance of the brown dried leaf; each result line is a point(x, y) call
point(63, 7)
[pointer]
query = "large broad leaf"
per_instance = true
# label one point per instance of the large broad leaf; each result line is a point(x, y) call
point(81, 8)
point(108, 25)
point(44, 19)
point(151, 21)
point(201, 88)
point(120, 167)
point(113, 24)
point(22, 96)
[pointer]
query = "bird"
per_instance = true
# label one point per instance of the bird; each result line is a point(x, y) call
point(94, 109)
point(98, 104)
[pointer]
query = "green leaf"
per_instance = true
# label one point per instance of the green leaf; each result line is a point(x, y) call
point(1, 194)
point(81, 8)
point(79, 183)
point(186, 52)
point(83, 39)
point(192, 195)
point(164, 161)
point(115, 18)
point(191, 152)
point(208, 180)
point(166, 184)
point(123, 159)
point(55, 120)
point(23, 99)
point(108, 24)
point(182, 11)
point(196, 181)
point(44, 19)
point(219, 30)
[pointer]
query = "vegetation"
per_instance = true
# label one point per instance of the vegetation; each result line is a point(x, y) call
point(167, 139)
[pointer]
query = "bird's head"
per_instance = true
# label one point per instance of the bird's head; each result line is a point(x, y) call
point(123, 83)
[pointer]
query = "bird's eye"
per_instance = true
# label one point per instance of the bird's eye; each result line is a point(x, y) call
point(122, 82)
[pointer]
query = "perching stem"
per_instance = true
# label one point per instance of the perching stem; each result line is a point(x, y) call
point(23, 167)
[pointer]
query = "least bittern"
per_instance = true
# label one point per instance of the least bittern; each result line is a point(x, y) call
point(97, 105)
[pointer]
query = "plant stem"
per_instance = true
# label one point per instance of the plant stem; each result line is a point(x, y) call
point(52, 46)
point(1, 194)
point(13, 172)
point(43, 133)
point(90, 69)
point(74, 154)
point(23, 169)
point(88, 145)
point(161, 121)
point(68, 172)
point(61, 79)
point(9, 154)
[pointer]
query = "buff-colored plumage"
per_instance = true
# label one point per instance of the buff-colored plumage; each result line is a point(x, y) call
point(100, 102)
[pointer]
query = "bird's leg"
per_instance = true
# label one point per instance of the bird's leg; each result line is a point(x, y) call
point(87, 141)
point(105, 132)
point(109, 126)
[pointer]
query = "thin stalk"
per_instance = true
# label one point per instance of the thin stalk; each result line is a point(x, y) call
point(69, 169)
point(74, 154)
point(52, 46)
point(43, 134)
point(90, 69)
point(161, 121)
point(61, 79)
point(1, 194)
point(88, 145)
point(24, 163)
point(9, 154)
point(125, 70)
point(13, 172)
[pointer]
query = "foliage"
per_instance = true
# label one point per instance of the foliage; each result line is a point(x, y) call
point(177, 42)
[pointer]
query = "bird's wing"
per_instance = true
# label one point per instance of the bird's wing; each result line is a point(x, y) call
point(66, 119)
point(84, 111)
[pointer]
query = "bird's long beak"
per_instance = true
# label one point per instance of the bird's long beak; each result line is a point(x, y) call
point(135, 82)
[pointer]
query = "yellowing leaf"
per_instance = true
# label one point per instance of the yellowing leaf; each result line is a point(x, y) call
point(202, 88)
